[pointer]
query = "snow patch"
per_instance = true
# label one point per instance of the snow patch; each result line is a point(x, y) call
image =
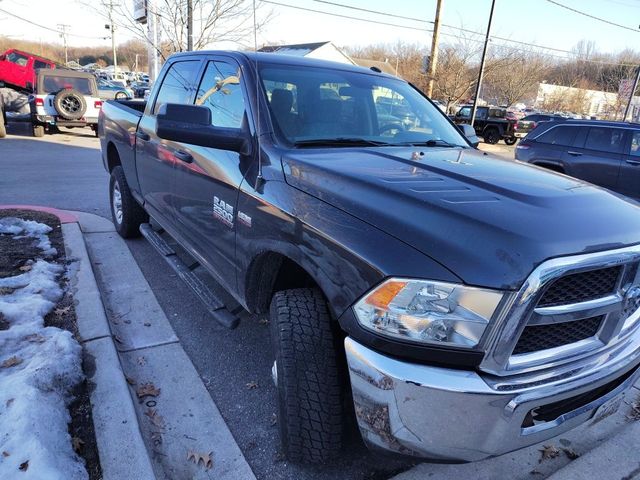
point(35, 390)
point(28, 228)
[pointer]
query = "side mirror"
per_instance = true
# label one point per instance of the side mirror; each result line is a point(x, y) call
point(192, 124)
point(469, 132)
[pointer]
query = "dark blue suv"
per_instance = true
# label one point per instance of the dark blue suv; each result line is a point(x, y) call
point(602, 153)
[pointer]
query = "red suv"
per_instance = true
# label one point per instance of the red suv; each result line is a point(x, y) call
point(18, 68)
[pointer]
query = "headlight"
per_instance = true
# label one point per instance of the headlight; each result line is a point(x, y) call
point(428, 312)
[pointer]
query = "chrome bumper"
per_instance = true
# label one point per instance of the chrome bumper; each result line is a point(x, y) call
point(458, 415)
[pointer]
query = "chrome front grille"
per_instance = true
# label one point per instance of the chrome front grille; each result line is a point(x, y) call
point(580, 287)
point(568, 308)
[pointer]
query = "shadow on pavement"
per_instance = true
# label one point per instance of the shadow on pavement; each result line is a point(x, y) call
point(23, 129)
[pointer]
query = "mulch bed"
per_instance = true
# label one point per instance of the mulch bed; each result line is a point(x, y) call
point(15, 254)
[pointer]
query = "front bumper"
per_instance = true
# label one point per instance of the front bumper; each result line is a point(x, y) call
point(460, 415)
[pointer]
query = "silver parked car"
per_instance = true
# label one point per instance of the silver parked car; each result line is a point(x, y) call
point(111, 91)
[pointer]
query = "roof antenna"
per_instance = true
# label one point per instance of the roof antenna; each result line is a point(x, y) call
point(259, 178)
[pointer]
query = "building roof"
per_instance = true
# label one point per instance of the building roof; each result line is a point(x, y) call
point(299, 49)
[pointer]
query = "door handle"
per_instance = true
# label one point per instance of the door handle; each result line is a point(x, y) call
point(633, 162)
point(143, 136)
point(183, 156)
point(574, 154)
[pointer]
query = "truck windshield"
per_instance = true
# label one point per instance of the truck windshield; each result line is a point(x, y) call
point(325, 107)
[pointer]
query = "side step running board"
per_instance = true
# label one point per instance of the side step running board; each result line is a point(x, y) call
point(215, 307)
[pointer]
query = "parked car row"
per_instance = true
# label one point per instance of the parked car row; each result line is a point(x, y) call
point(603, 153)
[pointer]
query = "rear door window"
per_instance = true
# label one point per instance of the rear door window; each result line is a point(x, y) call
point(40, 64)
point(635, 144)
point(562, 135)
point(178, 84)
point(605, 139)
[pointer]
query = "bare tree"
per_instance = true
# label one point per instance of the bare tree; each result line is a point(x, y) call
point(516, 76)
point(214, 21)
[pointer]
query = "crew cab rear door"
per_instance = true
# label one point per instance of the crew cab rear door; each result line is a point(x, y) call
point(208, 179)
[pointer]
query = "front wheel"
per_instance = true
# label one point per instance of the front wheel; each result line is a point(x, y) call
point(126, 213)
point(511, 140)
point(307, 376)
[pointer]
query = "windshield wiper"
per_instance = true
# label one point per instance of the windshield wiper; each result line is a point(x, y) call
point(434, 143)
point(340, 142)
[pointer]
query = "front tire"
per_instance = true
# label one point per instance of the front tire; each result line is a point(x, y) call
point(511, 140)
point(126, 213)
point(308, 379)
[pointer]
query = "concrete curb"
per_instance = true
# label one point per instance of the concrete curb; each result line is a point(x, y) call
point(121, 448)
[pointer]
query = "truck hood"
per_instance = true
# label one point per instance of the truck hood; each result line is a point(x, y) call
point(488, 220)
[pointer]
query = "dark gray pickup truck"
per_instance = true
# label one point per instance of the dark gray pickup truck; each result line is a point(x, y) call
point(459, 305)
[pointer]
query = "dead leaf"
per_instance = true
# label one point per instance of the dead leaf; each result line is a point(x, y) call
point(9, 402)
point(252, 385)
point(571, 454)
point(118, 339)
point(142, 361)
point(147, 390)
point(6, 290)
point(535, 472)
point(25, 268)
point(5, 454)
point(24, 466)
point(264, 321)
point(155, 418)
point(147, 324)
point(274, 419)
point(130, 380)
point(198, 457)
point(77, 444)
point(10, 362)
point(548, 452)
point(35, 338)
point(62, 311)
point(156, 438)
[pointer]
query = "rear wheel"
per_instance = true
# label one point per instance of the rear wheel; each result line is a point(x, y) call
point(307, 376)
point(492, 136)
point(38, 130)
point(126, 213)
point(511, 140)
point(121, 96)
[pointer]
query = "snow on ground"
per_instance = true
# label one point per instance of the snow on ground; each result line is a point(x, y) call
point(38, 368)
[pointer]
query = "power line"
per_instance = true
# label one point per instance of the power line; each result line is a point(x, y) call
point(345, 16)
point(528, 44)
point(44, 27)
point(592, 16)
point(461, 29)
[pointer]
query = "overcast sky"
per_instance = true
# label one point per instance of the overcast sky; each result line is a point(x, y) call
point(532, 21)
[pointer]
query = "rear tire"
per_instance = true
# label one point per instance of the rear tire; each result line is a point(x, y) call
point(511, 140)
point(121, 96)
point(38, 130)
point(126, 213)
point(308, 379)
point(491, 136)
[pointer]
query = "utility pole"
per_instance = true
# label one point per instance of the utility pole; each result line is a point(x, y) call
point(112, 29)
point(633, 91)
point(152, 26)
point(63, 33)
point(434, 51)
point(481, 72)
point(189, 25)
